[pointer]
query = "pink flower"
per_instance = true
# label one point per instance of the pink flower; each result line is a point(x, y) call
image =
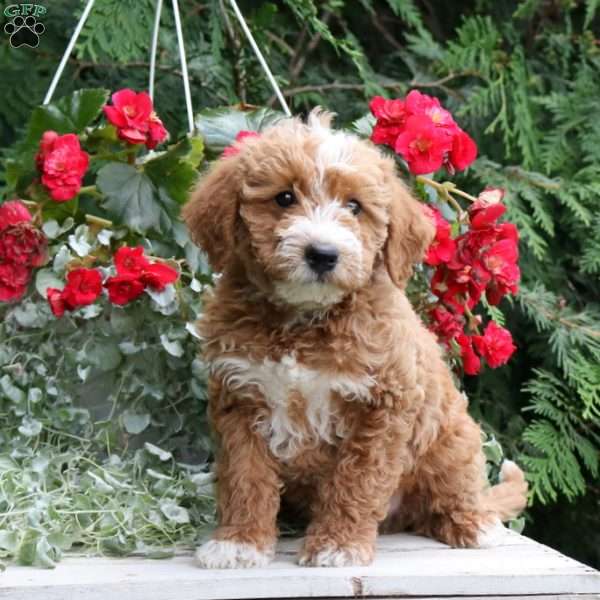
point(422, 145)
point(156, 132)
point(134, 117)
point(391, 119)
point(423, 132)
point(417, 103)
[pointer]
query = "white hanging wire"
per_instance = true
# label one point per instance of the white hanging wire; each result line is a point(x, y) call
point(153, 48)
point(61, 67)
point(182, 58)
point(261, 58)
point(184, 71)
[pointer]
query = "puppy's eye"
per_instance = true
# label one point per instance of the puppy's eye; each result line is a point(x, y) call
point(354, 206)
point(285, 199)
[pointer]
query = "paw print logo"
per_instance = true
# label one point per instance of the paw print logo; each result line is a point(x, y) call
point(24, 31)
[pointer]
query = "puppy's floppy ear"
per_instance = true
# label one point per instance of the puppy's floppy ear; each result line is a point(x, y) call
point(211, 212)
point(410, 232)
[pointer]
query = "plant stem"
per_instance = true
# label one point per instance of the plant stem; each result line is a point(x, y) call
point(473, 322)
point(98, 221)
point(446, 190)
point(92, 190)
point(447, 187)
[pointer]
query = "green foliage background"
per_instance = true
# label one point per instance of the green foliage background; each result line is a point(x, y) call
point(522, 77)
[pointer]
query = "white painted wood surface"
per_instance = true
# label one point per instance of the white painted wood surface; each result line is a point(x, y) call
point(406, 566)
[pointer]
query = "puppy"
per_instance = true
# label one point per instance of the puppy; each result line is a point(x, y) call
point(326, 391)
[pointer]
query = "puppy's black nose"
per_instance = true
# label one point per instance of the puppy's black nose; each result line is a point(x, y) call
point(321, 257)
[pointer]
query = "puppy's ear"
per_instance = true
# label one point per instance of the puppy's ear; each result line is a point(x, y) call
point(410, 232)
point(211, 212)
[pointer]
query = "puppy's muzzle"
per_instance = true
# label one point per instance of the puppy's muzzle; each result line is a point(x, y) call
point(321, 258)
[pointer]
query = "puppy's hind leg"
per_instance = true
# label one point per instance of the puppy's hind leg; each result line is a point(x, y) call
point(448, 490)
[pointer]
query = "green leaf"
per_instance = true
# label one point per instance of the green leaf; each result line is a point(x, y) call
point(364, 125)
point(30, 427)
point(132, 199)
point(104, 355)
point(173, 347)
point(163, 455)
point(46, 278)
point(219, 126)
point(11, 391)
point(60, 540)
point(174, 512)
point(26, 552)
point(71, 114)
point(176, 169)
point(8, 540)
point(135, 423)
point(52, 229)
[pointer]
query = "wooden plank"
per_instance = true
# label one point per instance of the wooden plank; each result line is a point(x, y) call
point(406, 566)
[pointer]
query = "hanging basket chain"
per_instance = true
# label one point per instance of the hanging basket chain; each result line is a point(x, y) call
point(65, 57)
point(184, 71)
point(153, 47)
point(260, 57)
point(182, 56)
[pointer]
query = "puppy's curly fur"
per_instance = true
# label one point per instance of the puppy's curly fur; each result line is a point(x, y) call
point(326, 392)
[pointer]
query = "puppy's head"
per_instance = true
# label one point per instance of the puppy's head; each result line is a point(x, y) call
point(310, 212)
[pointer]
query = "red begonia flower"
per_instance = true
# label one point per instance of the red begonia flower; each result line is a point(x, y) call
point(487, 209)
point(422, 145)
point(123, 289)
point(23, 244)
point(62, 164)
point(464, 150)
point(237, 144)
point(14, 279)
point(134, 117)
point(495, 345)
point(13, 212)
point(56, 301)
point(443, 246)
point(445, 324)
point(158, 276)
point(130, 261)
point(83, 287)
point(471, 362)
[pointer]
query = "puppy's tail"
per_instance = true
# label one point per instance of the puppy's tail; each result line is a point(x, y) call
point(509, 497)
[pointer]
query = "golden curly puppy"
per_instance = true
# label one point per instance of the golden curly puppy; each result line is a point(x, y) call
point(326, 391)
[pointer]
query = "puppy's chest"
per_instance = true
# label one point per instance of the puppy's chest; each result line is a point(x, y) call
point(306, 406)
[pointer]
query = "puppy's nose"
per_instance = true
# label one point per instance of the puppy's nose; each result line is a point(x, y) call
point(321, 257)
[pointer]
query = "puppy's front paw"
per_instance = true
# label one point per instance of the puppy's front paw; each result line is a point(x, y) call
point(226, 554)
point(336, 556)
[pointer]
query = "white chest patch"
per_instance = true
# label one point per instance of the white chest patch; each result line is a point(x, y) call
point(280, 382)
